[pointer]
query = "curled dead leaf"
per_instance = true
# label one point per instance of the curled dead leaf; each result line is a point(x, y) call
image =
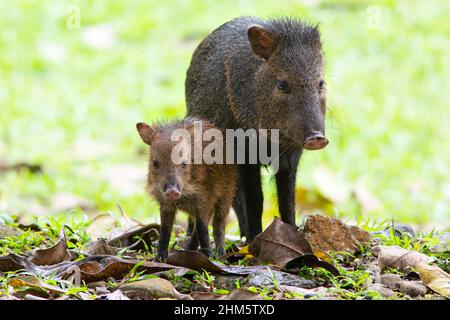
point(311, 261)
point(53, 255)
point(137, 238)
point(397, 257)
point(278, 244)
point(197, 261)
point(12, 262)
point(34, 283)
point(98, 268)
point(435, 278)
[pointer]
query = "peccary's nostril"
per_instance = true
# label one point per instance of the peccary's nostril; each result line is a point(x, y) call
point(315, 141)
point(172, 193)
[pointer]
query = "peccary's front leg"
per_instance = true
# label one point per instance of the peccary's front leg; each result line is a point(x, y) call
point(219, 224)
point(201, 229)
point(167, 218)
point(286, 177)
point(251, 182)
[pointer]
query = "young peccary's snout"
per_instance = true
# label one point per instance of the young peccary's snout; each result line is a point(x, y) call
point(204, 191)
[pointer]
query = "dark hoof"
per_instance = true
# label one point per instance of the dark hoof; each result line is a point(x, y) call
point(161, 256)
point(206, 252)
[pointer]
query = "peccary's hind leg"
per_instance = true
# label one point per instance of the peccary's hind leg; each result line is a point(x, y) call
point(191, 224)
point(285, 178)
point(193, 241)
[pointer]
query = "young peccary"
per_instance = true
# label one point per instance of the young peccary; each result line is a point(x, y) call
point(254, 73)
point(203, 191)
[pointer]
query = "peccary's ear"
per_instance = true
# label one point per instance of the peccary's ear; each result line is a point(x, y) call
point(261, 40)
point(146, 132)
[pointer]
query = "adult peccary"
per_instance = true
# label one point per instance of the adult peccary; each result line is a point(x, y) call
point(254, 73)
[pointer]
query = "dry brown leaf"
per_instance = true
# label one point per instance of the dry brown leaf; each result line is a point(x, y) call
point(101, 226)
point(397, 257)
point(197, 261)
point(435, 278)
point(35, 283)
point(139, 237)
point(100, 268)
point(12, 262)
point(278, 244)
point(53, 255)
point(101, 247)
point(311, 261)
point(193, 260)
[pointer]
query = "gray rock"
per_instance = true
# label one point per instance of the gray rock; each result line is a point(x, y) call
point(413, 288)
point(391, 280)
point(6, 231)
point(385, 292)
point(443, 245)
point(399, 230)
point(93, 285)
point(150, 289)
point(268, 278)
point(306, 293)
point(374, 271)
point(228, 282)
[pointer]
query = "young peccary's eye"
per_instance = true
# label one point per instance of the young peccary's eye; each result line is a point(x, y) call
point(184, 164)
point(155, 164)
point(283, 86)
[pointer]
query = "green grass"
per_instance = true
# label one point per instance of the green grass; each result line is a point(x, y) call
point(73, 108)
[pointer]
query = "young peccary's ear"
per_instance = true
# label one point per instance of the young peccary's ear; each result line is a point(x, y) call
point(146, 132)
point(262, 41)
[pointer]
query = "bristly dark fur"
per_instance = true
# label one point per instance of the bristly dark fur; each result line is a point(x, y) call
point(290, 30)
point(234, 81)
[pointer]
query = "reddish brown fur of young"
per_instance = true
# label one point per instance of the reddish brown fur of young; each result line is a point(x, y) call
point(207, 190)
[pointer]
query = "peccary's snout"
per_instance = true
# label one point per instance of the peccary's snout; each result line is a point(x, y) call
point(315, 141)
point(172, 191)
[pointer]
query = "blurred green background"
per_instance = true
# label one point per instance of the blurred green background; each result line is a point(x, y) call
point(71, 91)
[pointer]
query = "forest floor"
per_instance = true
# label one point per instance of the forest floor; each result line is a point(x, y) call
point(112, 257)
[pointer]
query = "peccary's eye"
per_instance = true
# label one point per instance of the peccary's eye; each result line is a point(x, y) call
point(321, 84)
point(184, 164)
point(283, 86)
point(155, 164)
